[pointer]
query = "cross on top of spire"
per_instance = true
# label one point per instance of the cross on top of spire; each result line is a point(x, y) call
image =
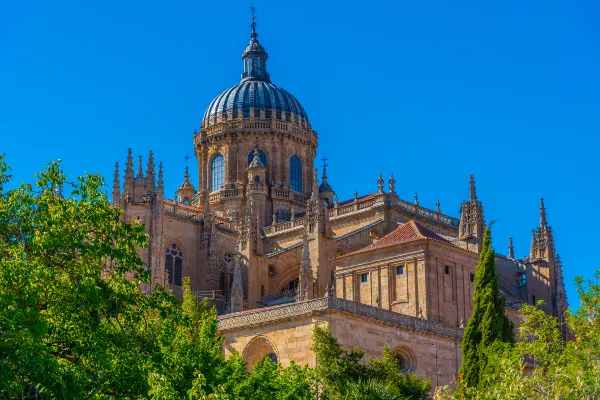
point(253, 24)
point(324, 162)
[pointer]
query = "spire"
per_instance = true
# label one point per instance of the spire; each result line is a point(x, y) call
point(207, 213)
point(533, 248)
point(473, 195)
point(325, 186)
point(392, 183)
point(380, 184)
point(161, 187)
point(140, 173)
point(315, 189)
point(305, 282)
point(542, 213)
point(129, 167)
point(255, 57)
point(116, 184)
point(237, 289)
point(150, 168)
point(511, 248)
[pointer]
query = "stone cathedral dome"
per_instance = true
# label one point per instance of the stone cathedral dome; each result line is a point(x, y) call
point(255, 96)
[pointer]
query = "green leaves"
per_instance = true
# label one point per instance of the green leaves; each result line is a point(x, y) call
point(488, 323)
point(342, 374)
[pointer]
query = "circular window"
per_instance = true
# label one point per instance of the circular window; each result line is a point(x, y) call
point(228, 258)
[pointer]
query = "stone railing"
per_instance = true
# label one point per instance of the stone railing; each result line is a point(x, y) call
point(219, 195)
point(261, 187)
point(285, 294)
point(424, 212)
point(284, 226)
point(275, 313)
point(195, 213)
point(288, 127)
point(185, 210)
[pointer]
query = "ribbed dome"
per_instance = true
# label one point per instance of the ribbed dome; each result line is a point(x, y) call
point(258, 99)
point(255, 96)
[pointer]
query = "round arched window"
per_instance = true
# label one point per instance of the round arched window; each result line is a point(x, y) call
point(296, 173)
point(272, 357)
point(217, 167)
point(406, 359)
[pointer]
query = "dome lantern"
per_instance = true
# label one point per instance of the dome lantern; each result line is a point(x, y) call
point(255, 57)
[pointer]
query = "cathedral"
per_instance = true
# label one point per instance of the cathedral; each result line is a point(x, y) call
point(269, 243)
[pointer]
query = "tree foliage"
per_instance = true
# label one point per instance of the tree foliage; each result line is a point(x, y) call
point(72, 326)
point(342, 374)
point(541, 365)
point(487, 324)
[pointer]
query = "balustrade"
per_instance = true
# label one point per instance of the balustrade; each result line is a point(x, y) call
point(284, 294)
point(281, 312)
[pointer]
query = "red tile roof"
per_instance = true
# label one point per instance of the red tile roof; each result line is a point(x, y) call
point(409, 232)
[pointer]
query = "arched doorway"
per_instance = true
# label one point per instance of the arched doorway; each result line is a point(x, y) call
point(258, 349)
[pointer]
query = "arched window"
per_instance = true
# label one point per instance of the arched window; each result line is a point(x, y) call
point(186, 201)
point(217, 167)
point(174, 264)
point(261, 155)
point(296, 173)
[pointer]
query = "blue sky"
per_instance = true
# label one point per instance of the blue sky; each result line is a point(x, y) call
point(431, 91)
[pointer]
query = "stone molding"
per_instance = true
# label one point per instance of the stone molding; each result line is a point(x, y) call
point(326, 304)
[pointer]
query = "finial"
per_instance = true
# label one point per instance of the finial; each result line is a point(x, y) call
point(116, 184)
point(150, 168)
point(380, 184)
point(416, 199)
point(355, 194)
point(140, 174)
point(274, 220)
point(256, 162)
point(511, 248)
point(392, 183)
point(437, 205)
point(324, 178)
point(161, 188)
point(472, 195)
point(542, 212)
point(316, 175)
point(186, 176)
point(254, 35)
point(335, 200)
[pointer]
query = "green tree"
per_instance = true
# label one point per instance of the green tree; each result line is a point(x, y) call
point(342, 374)
point(488, 323)
point(541, 365)
point(71, 325)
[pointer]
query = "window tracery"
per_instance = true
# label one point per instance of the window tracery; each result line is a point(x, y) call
point(174, 265)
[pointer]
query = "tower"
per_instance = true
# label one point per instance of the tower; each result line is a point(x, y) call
point(542, 278)
point(472, 221)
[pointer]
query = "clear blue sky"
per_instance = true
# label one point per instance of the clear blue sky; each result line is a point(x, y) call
point(432, 91)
